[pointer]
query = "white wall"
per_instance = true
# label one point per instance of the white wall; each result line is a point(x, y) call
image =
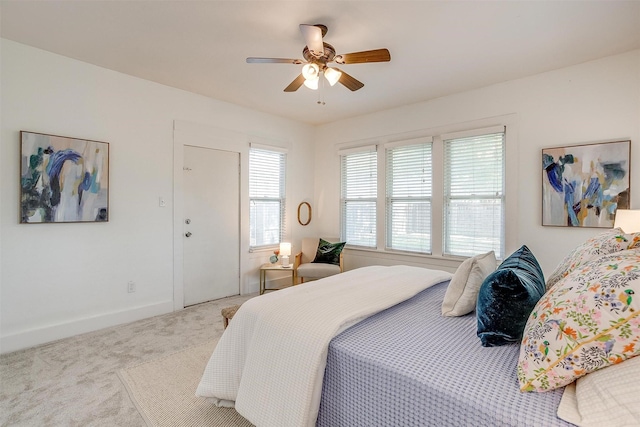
point(592, 102)
point(57, 280)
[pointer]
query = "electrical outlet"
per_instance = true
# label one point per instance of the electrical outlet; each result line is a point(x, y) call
point(162, 202)
point(131, 286)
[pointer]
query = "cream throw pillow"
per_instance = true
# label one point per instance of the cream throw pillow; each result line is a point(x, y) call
point(608, 397)
point(462, 292)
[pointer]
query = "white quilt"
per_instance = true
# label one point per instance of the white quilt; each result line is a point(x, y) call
point(270, 361)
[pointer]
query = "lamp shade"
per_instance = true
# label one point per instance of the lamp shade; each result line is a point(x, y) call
point(628, 220)
point(285, 249)
point(312, 83)
point(332, 75)
point(310, 71)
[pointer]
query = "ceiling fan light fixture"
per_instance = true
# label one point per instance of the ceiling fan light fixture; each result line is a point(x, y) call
point(312, 83)
point(317, 55)
point(332, 75)
point(310, 71)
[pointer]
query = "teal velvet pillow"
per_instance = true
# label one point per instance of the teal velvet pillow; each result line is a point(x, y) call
point(507, 297)
point(328, 253)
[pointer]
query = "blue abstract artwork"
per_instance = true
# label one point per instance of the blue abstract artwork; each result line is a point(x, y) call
point(583, 185)
point(63, 179)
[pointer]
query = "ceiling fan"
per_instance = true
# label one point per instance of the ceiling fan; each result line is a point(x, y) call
point(317, 54)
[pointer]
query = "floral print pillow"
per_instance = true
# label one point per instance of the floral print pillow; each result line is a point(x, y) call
point(607, 242)
point(588, 321)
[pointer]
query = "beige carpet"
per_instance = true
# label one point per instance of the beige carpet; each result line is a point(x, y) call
point(164, 389)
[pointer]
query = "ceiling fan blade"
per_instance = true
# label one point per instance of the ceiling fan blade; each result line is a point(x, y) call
point(313, 38)
point(349, 82)
point(252, 60)
point(377, 55)
point(295, 85)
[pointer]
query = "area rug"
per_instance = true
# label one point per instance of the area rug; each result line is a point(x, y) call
point(164, 389)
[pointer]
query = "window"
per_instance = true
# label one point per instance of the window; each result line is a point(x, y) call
point(408, 197)
point(474, 194)
point(444, 194)
point(266, 196)
point(359, 196)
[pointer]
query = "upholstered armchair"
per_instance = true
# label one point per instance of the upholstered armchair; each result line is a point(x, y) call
point(305, 269)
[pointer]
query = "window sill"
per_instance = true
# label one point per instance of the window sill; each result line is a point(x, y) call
point(453, 258)
point(449, 263)
point(264, 249)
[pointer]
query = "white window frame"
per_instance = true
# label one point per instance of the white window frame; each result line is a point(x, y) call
point(270, 198)
point(420, 193)
point(345, 201)
point(437, 256)
point(477, 243)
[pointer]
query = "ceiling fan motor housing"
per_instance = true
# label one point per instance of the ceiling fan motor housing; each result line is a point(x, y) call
point(329, 54)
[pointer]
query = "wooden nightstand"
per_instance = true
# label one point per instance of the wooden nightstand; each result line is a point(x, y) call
point(273, 267)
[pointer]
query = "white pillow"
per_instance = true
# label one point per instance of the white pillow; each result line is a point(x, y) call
point(608, 397)
point(462, 292)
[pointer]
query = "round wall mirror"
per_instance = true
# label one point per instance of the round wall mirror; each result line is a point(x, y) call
point(304, 213)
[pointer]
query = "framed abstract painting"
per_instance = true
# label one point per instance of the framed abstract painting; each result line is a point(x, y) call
point(63, 179)
point(583, 185)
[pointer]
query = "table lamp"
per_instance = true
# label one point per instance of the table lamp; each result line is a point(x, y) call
point(285, 251)
point(628, 220)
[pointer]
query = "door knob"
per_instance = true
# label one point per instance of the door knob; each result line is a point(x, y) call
point(188, 234)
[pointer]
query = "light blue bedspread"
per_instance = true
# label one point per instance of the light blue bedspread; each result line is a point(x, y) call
point(409, 366)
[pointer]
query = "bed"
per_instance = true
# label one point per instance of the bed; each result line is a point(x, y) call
point(371, 347)
point(410, 366)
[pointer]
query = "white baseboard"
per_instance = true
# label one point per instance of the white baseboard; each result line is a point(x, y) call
point(51, 333)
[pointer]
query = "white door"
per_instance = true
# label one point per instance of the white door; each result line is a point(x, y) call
point(211, 225)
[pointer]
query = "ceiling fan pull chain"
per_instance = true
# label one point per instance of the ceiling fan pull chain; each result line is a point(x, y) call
point(321, 93)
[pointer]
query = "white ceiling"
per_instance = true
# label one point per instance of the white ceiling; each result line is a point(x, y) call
point(437, 47)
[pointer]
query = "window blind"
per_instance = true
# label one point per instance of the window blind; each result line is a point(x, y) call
point(266, 197)
point(408, 197)
point(474, 194)
point(359, 178)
